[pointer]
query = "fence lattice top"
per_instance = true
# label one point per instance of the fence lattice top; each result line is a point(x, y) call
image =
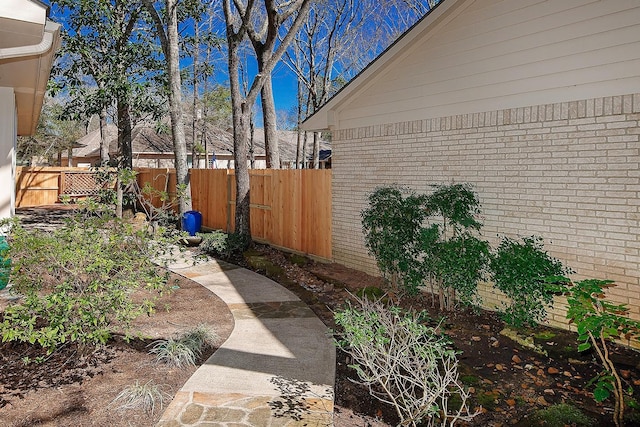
point(81, 184)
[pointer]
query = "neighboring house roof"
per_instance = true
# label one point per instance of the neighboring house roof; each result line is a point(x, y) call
point(324, 155)
point(471, 56)
point(145, 140)
point(287, 144)
point(28, 42)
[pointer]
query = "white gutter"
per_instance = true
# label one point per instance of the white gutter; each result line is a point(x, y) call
point(31, 50)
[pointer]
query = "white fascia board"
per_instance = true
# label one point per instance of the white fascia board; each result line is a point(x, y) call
point(24, 10)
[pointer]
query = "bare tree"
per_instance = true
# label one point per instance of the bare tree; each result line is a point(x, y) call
point(329, 35)
point(337, 41)
point(263, 35)
point(239, 22)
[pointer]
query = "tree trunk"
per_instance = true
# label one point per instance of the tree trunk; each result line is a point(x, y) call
point(175, 105)
point(242, 105)
point(252, 143)
point(241, 123)
point(270, 126)
point(298, 147)
point(304, 150)
point(104, 144)
point(300, 97)
point(124, 134)
point(316, 150)
point(194, 150)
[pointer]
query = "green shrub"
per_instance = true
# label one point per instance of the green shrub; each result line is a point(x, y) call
point(174, 352)
point(561, 415)
point(391, 226)
point(519, 269)
point(599, 322)
point(415, 238)
point(185, 350)
point(457, 205)
point(453, 258)
point(223, 245)
point(199, 338)
point(459, 264)
point(78, 282)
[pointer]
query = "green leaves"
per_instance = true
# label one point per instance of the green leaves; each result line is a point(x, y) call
point(418, 237)
point(599, 322)
point(458, 205)
point(78, 282)
point(519, 269)
point(392, 227)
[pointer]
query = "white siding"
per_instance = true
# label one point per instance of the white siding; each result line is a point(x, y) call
point(491, 54)
point(7, 146)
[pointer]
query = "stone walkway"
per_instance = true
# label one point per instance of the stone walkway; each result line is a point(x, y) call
point(276, 369)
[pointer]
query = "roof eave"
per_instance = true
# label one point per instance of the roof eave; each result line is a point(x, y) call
point(27, 70)
point(327, 116)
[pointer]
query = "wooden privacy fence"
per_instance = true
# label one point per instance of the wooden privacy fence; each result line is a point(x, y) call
point(161, 180)
point(289, 208)
point(39, 186)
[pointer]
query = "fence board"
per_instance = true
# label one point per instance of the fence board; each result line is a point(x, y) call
point(289, 208)
point(38, 186)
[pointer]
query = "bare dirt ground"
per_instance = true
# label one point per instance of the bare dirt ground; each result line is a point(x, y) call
point(508, 381)
point(75, 389)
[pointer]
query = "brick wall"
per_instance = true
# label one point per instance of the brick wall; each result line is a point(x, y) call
point(569, 172)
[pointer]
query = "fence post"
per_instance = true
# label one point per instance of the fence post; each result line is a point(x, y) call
point(229, 200)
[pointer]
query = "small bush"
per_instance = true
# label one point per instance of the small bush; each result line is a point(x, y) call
point(404, 362)
point(519, 269)
point(146, 396)
point(200, 338)
point(223, 245)
point(174, 353)
point(599, 322)
point(391, 226)
point(561, 415)
point(78, 282)
point(185, 350)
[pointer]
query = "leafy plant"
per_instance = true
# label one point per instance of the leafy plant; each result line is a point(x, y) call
point(561, 415)
point(199, 338)
point(599, 322)
point(459, 263)
point(457, 205)
point(519, 269)
point(223, 245)
point(78, 282)
point(391, 226)
point(453, 258)
point(174, 352)
point(138, 395)
point(185, 350)
point(404, 363)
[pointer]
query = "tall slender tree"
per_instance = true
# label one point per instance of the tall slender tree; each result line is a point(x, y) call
point(263, 35)
point(239, 20)
point(167, 31)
